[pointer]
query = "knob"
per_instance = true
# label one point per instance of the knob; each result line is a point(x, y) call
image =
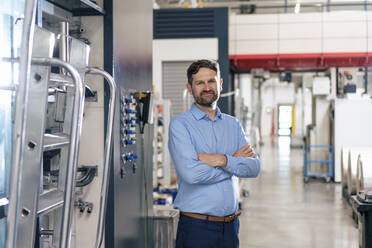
point(129, 131)
point(130, 142)
point(129, 111)
point(123, 158)
point(131, 122)
point(130, 100)
point(135, 156)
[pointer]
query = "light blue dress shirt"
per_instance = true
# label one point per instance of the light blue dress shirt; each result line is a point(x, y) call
point(201, 188)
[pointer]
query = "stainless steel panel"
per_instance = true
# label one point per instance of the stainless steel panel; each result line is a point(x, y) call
point(132, 31)
point(132, 56)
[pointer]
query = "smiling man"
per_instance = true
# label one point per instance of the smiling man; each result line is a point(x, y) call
point(209, 151)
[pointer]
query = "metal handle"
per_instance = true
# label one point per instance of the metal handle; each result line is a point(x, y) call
point(77, 119)
point(106, 165)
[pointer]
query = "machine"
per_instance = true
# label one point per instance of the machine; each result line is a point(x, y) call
point(76, 151)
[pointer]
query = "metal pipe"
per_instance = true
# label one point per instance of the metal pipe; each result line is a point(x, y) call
point(366, 80)
point(309, 5)
point(76, 124)
point(8, 87)
point(273, 4)
point(20, 120)
point(64, 45)
point(106, 166)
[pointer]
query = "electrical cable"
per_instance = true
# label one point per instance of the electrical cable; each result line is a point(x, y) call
point(82, 182)
point(88, 175)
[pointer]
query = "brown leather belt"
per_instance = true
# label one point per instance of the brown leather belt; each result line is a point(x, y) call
point(211, 218)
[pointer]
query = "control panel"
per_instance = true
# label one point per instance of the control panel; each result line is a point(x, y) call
point(128, 135)
point(135, 113)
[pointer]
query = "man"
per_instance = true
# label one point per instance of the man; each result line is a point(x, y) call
point(209, 151)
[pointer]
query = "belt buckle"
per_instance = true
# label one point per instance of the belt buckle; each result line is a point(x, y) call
point(229, 218)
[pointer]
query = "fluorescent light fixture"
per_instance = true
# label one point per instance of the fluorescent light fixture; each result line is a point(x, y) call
point(297, 8)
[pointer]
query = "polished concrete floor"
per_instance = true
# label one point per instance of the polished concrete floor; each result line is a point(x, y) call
point(283, 212)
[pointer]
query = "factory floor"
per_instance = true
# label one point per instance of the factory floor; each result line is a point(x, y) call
point(283, 212)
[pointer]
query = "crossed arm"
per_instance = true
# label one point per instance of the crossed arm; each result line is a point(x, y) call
point(220, 160)
point(205, 168)
point(243, 163)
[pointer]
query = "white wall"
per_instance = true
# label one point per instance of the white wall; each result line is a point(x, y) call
point(180, 50)
point(326, 32)
point(273, 93)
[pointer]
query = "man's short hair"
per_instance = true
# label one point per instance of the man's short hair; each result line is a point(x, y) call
point(203, 63)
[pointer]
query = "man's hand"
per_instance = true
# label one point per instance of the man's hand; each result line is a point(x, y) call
point(246, 151)
point(214, 160)
point(219, 160)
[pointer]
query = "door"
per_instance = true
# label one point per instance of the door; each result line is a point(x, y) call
point(285, 122)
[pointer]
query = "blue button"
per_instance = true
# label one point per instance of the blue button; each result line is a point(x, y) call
point(130, 122)
point(135, 155)
point(129, 131)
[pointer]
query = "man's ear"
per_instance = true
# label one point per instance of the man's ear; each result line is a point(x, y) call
point(188, 86)
point(221, 82)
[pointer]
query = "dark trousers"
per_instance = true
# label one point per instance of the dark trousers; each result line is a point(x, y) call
point(195, 233)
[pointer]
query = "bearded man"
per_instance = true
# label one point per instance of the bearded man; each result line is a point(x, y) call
point(209, 151)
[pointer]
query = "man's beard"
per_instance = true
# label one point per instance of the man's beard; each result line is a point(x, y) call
point(205, 101)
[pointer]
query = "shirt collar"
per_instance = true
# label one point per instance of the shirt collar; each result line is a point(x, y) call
point(198, 114)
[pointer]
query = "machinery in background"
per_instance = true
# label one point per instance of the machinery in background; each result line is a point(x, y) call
point(347, 81)
point(163, 170)
point(46, 209)
point(128, 56)
point(318, 152)
point(42, 215)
